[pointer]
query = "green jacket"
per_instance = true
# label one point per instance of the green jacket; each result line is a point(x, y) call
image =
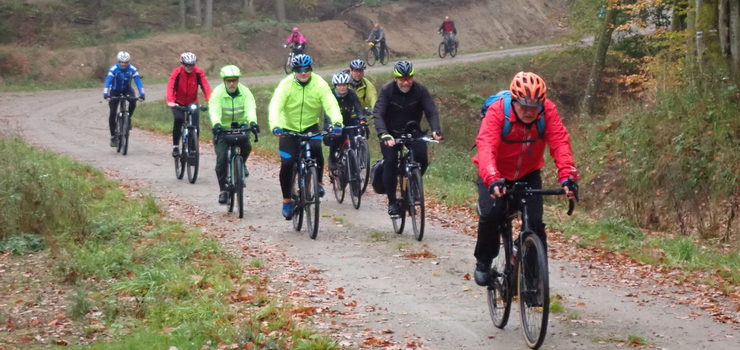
point(295, 107)
point(366, 92)
point(225, 109)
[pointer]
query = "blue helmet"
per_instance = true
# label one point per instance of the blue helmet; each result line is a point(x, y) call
point(357, 64)
point(301, 60)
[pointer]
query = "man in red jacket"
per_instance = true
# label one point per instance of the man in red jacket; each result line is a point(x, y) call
point(517, 156)
point(182, 89)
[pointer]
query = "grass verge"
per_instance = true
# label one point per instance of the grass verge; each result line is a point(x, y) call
point(139, 280)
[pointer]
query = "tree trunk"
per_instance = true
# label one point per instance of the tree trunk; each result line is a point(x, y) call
point(605, 39)
point(198, 13)
point(182, 13)
point(735, 38)
point(248, 7)
point(209, 14)
point(678, 15)
point(724, 27)
point(280, 10)
point(699, 35)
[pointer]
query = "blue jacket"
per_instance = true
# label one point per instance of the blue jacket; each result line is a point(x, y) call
point(119, 80)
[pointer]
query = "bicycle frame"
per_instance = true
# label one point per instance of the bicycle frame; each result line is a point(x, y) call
point(305, 159)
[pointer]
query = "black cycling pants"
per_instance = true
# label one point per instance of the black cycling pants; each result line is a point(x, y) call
point(289, 148)
point(179, 119)
point(492, 216)
point(390, 165)
point(113, 104)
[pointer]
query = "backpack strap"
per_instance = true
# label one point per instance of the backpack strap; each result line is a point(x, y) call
point(506, 95)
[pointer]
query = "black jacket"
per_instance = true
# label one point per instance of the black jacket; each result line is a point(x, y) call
point(349, 105)
point(394, 108)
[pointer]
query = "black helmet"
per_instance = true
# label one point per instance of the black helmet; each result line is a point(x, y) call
point(403, 69)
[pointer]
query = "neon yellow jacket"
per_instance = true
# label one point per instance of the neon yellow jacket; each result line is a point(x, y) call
point(366, 93)
point(225, 109)
point(297, 108)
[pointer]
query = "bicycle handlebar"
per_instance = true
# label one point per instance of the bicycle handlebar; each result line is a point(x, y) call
point(519, 188)
point(305, 135)
point(406, 138)
point(186, 108)
point(240, 131)
point(123, 97)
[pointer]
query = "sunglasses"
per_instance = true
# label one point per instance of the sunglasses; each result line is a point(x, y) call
point(405, 79)
point(231, 80)
point(302, 70)
point(188, 65)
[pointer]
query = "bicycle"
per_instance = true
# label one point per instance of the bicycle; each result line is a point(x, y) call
point(373, 54)
point(190, 150)
point(305, 185)
point(237, 173)
point(522, 263)
point(123, 123)
point(447, 46)
point(294, 50)
point(352, 165)
point(410, 187)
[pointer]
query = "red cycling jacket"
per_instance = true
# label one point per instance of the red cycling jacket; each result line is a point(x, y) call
point(497, 159)
point(182, 88)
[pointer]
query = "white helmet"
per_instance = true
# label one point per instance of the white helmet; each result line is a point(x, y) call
point(188, 58)
point(123, 56)
point(341, 78)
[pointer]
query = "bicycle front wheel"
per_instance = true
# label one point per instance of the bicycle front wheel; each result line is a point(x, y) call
point(192, 153)
point(119, 132)
point(363, 156)
point(353, 177)
point(125, 129)
point(238, 183)
point(312, 203)
point(415, 196)
point(180, 160)
point(442, 51)
point(297, 195)
point(500, 290)
point(534, 289)
point(371, 56)
point(338, 183)
point(288, 64)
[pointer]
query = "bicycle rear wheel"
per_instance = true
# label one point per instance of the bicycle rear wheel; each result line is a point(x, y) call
point(297, 194)
point(442, 51)
point(192, 154)
point(353, 177)
point(386, 55)
point(534, 297)
point(126, 129)
point(239, 183)
point(363, 156)
point(453, 50)
point(416, 203)
point(399, 221)
point(312, 204)
point(371, 56)
point(500, 290)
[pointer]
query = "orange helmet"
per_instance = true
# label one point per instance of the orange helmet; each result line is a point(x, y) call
point(528, 89)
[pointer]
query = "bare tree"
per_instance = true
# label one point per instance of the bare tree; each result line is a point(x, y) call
point(209, 14)
point(198, 13)
point(248, 7)
point(182, 13)
point(280, 10)
point(602, 47)
point(723, 26)
point(735, 37)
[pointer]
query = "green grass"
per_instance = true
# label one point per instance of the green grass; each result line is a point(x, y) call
point(157, 282)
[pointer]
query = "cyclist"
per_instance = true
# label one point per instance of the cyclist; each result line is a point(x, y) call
point(118, 83)
point(377, 35)
point(518, 157)
point(182, 89)
point(362, 86)
point(297, 105)
point(349, 106)
point(296, 41)
point(399, 102)
point(231, 104)
point(449, 31)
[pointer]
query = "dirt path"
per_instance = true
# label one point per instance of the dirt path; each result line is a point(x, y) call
point(426, 298)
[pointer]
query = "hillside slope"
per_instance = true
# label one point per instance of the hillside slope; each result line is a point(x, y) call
point(410, 28)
